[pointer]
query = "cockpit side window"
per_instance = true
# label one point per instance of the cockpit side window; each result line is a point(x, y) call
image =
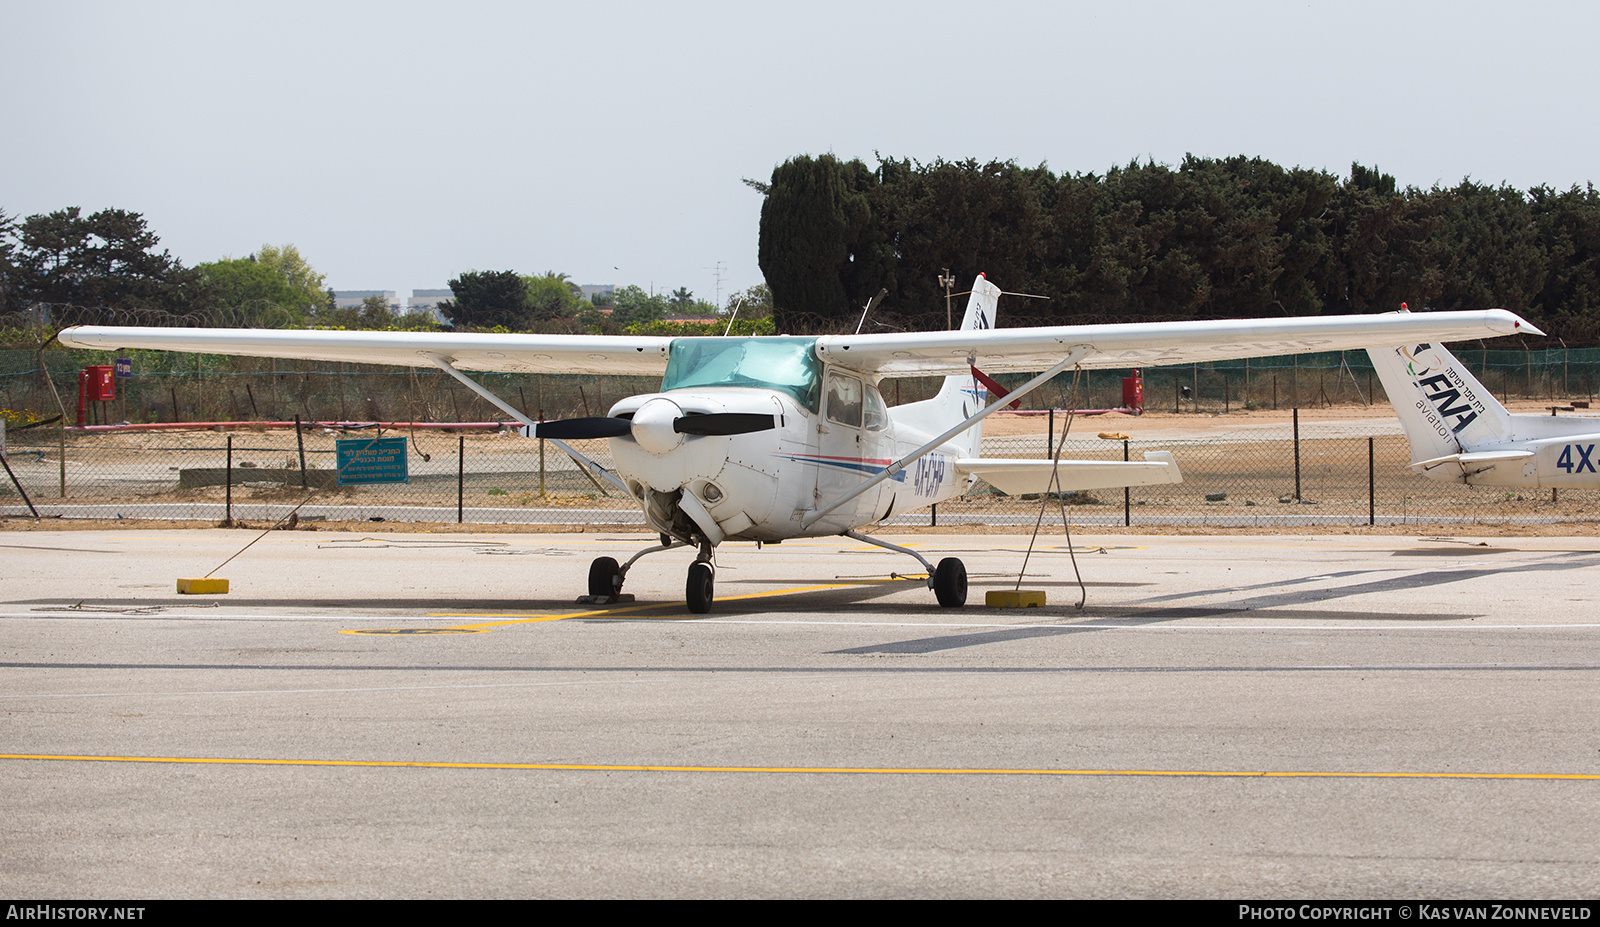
point(844, 400)
point(877, 414)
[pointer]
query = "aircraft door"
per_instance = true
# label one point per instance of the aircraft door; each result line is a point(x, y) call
point(847, 449)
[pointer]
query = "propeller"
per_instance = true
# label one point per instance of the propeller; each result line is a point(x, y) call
point(575, 429)
point(723, 423)
point(707, 423)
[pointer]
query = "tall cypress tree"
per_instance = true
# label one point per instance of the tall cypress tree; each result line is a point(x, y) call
point(809, 220)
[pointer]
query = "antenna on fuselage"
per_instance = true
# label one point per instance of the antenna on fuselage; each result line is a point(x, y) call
point(735, 315)
point(872, 303)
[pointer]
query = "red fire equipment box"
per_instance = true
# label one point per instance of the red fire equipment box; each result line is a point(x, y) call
point(100, 383)
point(1133, 392)
point(96, 383)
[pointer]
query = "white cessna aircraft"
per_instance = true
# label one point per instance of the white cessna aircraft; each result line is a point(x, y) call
point(1459, 433)
point(766, 439)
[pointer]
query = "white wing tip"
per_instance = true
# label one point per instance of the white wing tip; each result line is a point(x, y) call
point(1507, 322)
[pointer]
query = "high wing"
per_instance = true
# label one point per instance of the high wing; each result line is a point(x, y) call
point(1152, 344)
point(607, 354)
point(1133, 344)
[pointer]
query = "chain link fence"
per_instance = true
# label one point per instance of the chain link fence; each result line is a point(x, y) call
point(1355, 473)
point(1347, 474)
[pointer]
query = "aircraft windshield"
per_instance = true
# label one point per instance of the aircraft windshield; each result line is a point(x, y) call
point(788, 365)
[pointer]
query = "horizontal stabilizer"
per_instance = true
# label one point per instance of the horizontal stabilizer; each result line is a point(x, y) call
point(1017, 477)
point(1473, 459)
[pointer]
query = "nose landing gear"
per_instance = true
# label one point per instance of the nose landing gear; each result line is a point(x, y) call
point(700, 589)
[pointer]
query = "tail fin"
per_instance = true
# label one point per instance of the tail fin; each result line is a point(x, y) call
point(1441, 405)
point(960, 396)
point(981, 306)
point(963, 395)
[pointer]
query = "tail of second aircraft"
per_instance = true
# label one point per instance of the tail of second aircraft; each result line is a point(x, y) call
point(961, 395)
point(1442, 406)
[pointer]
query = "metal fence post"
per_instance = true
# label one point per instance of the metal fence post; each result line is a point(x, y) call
point(1127, 495)
point(1297, 454)
point(227, 509)
point(299, 439)
point(1372, 487)
point(61, 435)
point(461, 477)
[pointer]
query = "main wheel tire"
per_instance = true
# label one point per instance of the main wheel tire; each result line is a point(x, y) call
point(950, 582)
point(603, 576)
point(700, 589)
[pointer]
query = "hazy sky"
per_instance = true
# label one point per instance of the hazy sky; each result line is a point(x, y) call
point(398, 144)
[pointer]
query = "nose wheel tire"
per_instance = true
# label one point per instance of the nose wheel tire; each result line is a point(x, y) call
point(950, 582)
point(700, 589)
point(603, 577)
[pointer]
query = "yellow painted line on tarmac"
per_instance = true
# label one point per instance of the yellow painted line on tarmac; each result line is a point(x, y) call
point(811, 770)
point(514, 619)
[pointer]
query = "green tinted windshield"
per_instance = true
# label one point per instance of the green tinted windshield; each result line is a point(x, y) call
point(789, 365)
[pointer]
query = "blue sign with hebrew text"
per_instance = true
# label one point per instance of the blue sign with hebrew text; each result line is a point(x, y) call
point(372, 460)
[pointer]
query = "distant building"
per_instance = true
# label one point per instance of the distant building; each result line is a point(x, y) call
point(591, 290)
point(352, 299)
point(426, 302)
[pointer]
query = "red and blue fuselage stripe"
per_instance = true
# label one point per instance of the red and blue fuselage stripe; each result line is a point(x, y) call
point(864, 465)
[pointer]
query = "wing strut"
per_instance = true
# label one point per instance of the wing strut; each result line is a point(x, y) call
point(1075, 354)
point(444, 364)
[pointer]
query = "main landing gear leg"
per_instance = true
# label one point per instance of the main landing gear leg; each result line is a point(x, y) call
point(948, 580)
point(700, 589)
point(605, 576)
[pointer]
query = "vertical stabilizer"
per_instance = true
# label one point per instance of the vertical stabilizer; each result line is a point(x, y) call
point(963, 395)
point(960, 396)
point(1441, 405)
